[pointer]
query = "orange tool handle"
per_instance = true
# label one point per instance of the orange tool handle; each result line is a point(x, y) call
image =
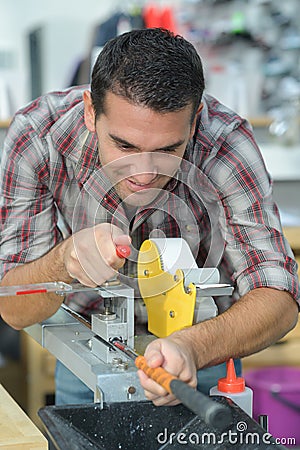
point(160, 375)
point(123, 251)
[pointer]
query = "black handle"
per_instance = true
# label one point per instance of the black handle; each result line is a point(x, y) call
point(213, 413)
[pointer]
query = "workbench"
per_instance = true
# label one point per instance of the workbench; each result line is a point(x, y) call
point(17, 432)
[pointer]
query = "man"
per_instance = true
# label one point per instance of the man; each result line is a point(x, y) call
point(113, 163)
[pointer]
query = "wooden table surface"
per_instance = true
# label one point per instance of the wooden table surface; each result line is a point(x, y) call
point(293, 236)
point(17, 432)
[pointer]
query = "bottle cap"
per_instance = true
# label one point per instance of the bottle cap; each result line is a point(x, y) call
point(231, 383)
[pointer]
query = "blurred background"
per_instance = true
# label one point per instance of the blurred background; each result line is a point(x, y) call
point(250, 48)
point(251, 55)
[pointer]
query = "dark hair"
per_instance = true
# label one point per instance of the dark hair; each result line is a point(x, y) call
point(150, 67)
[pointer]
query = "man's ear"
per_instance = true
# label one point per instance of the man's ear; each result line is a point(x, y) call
point(89, 112)
point(193, 127)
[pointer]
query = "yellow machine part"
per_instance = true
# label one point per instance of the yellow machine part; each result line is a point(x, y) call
point(169, 306)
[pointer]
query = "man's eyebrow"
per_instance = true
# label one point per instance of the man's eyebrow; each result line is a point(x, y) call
point(129, 144)
point(122, 141)
point(171, 146)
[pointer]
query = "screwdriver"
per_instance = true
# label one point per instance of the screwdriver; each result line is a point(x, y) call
point(214, 414)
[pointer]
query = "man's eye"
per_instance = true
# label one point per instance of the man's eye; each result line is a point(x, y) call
point(124, 147)
point(169, 150)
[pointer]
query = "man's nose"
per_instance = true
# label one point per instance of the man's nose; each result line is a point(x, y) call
point(145, 168)
point(145, 178)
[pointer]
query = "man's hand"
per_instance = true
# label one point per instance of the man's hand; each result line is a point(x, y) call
point(173, 354)
point(90, 254)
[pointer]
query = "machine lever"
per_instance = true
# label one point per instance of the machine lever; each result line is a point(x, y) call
point(59, 287)
point(123, 251)
point(215, 414)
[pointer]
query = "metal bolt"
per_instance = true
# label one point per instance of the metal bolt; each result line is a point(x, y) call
point(107, 316)
point(175, 278)
point(131, 390)
point(116, 361)
point(123, 366)
point(146, 273)
point(172, 314)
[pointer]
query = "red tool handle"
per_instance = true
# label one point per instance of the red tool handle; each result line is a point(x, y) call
point(123, 251)
point(160, 375)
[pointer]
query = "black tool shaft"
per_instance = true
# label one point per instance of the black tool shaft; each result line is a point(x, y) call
point(213, 413)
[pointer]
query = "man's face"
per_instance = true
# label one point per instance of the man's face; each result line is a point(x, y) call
point(140, 149)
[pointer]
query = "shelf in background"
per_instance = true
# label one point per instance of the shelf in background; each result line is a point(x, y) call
point(4, 123)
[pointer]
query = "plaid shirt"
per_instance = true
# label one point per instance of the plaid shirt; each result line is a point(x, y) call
point(220, 200)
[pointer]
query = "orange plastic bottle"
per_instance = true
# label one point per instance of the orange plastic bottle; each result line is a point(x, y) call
point(234, 387)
